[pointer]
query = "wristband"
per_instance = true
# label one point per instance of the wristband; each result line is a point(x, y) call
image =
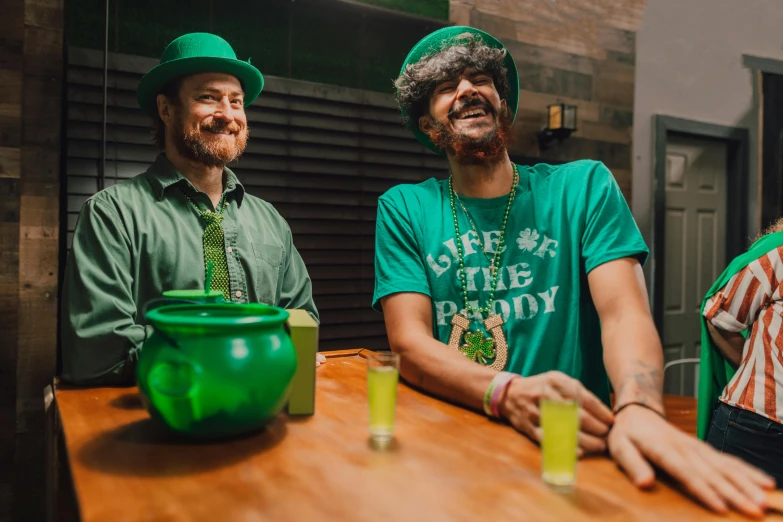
point(495, 391)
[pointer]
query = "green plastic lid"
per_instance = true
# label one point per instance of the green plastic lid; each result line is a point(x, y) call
point(193, 294)
point(216, 314)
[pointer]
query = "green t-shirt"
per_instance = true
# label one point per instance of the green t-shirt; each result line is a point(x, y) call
point(565, 221)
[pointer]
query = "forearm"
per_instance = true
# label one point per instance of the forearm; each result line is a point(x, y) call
point(123, 374)
point(634, 360)
point(729, 344)
point(433, 366)
point(100, 335)
point(92, 368)
point(99, 348)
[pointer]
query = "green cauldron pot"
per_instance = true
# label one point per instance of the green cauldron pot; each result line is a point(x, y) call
point(216, 370)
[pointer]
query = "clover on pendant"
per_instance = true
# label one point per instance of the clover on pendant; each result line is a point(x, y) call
point(478, 348)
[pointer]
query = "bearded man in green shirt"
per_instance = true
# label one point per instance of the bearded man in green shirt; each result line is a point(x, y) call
point(506, 280)
point(157, 231)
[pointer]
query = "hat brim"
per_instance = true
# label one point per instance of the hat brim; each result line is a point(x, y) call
point(436, 42)
point(154, 81)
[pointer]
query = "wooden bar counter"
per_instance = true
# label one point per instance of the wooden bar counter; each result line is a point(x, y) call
point(448, 463)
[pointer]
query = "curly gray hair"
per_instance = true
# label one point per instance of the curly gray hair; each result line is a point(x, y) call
point(417, 83)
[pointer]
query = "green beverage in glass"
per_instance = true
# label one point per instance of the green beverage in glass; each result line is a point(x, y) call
point(382, 378)
point(560, 427)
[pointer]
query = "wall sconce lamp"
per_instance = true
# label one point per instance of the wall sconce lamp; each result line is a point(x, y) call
point(561, 122)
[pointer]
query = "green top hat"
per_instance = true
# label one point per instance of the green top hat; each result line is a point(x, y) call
point(446, 37)
point(192, 54)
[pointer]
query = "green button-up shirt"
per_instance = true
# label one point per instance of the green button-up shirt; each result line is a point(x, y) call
point(139, 238)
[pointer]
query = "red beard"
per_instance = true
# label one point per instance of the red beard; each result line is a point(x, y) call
point(488, 149)
point(212, 153)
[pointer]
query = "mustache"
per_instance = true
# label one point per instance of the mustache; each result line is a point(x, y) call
point(472, 103)
point(221, 126)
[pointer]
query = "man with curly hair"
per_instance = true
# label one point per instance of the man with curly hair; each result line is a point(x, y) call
point(506, 279)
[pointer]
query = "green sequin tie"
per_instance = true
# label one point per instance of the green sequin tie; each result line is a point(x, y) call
point(215, 247)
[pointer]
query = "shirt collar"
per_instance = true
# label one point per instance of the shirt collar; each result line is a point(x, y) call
point(233, 185)
point(162, 174)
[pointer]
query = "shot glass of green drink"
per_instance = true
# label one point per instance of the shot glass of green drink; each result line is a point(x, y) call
point(382, 378)
point(560, 431)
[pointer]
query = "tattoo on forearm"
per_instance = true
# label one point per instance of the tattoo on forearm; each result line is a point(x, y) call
point(643, 384)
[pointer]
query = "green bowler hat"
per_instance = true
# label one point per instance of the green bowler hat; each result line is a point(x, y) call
point(192, 54)
point(446, 37)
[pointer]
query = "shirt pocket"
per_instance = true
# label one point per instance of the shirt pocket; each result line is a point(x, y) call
point(269, 262)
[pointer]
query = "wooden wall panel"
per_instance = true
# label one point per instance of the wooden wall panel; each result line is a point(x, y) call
point(11, 73)
point(31, 61)
point(39, 223)
point(580, 52)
